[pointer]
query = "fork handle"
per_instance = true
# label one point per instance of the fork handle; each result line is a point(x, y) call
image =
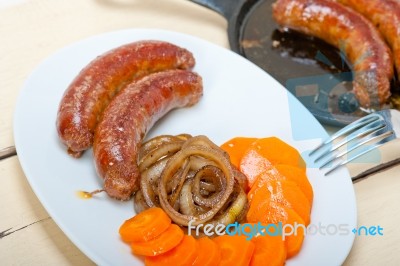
point(376, 169)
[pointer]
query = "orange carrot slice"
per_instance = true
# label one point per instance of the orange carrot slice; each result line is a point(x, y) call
point(269, 250)
point(291, 222)
point(263, 179)
point(209, 253)
point(236, 147)
point(278, 152)
point(283, 192)
point(279, 191)
point(259, 205)
point(183, 254)
point(235, 250)
point(294, 241)
point(145, 226)
point(298, 176)
point(253, 164)
point(169, 239)
point(274, 213)
point(296, 200)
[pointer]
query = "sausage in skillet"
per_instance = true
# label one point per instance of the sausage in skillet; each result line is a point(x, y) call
point(385, 15)
point(342, 27)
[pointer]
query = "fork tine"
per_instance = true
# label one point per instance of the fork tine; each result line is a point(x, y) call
point(351, 127)
point(366, 129)
point(388, 136)
point(370, 137)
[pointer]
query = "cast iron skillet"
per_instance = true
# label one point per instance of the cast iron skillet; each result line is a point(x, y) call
point(314, 71)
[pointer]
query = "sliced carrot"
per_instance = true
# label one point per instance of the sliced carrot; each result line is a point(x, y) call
point(259, 205)
point(297, 175)
point(257, 184)
point(296, 199)
point(294, 241)
point(279, 190)
point(290, 222)
point(268, 203)
point(145, 226)
point(236, 147)
point(283, 192)
point(269, 250)
point(183, 254)
point(274, 213)
point(235, 250)
point(278, 152)
point(265, 209)
point(264, 178)
point(253, 164)
point(277, 214)
point(169, 239)
point(209, 253)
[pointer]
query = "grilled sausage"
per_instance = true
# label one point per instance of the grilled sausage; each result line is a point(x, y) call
point(94, 87)
point(344, 28)
point(385, 15)
point(127, 119)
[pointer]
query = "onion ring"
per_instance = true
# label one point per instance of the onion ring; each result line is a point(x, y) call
point(173, 165)
point(216, 176)
point(192, 179)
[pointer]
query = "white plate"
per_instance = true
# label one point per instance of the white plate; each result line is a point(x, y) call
point(239, 100)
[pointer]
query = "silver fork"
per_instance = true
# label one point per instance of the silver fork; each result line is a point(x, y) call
point(356, 139)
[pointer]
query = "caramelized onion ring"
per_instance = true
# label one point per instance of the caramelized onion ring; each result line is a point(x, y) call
point(149, 182)
point(234, 211)
point(186, 201)
point(192, 179)
point(154, 155)
point(140, 204)
point(213, 174)
point(173, 165)
point(158, 141)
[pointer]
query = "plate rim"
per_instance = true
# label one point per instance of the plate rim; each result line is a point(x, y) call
point(24, 164)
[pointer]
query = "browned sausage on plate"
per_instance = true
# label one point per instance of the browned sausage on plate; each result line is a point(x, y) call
point(127, 119)
point(91, 91)
point(346, 29)
point(385, 15)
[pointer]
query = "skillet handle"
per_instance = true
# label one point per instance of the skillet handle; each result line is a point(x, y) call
point(223, 7)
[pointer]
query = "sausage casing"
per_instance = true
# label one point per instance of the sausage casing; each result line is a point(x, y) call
point(127, 119)
point(91, 91)
point(385, 15)
point(344, 28)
